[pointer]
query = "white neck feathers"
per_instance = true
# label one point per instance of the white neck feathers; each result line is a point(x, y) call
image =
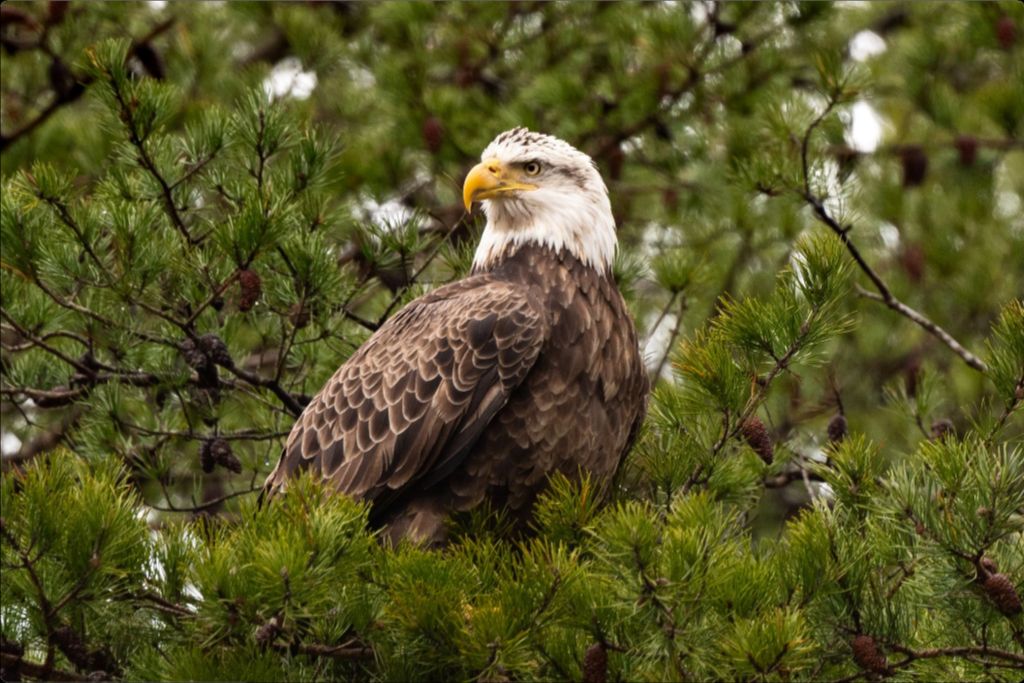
point(580, 223)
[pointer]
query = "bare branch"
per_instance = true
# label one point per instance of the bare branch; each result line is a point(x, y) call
point(884, 295)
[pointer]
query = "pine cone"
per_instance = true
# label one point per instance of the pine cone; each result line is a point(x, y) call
point(433, 134)
point(298, 314)
point(215, 350)
point(251, 287)
point(595, 664)
point(1006, 32)
point(269, 631)
point(967, 147)
point(837, 428)
point(988, 566)
point(220, 451)
point(206, 459)
point(1002, 593)
point(867, 655)
point(912, 259)
point(941, 429)
point(193, 354)
point(915, 165)
point(756, 436)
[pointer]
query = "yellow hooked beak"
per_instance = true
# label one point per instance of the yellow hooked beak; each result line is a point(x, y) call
point(490, 178)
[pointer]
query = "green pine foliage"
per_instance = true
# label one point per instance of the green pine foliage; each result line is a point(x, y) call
point(829, 484)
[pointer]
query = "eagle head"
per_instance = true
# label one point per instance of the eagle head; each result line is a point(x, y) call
point(538, 189)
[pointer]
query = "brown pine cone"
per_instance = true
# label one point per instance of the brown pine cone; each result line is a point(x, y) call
point(915, 165)
point(942, 428)
point(867, 655)
point(595, 664)
point(756, 436)
point(206, 459)
point(193, 354)
point(1006, 32)
point(967, 148)
point(269, 631)
point(433, 134)
point(1002, 593)
point(298, 314)
point(216, 350)
point(250, 288)
point(837, 428)
point(220, 451)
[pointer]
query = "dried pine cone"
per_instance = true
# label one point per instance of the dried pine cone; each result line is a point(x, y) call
point(988, 566)
point(206, 459)
point(1002, 593)
point(1006, 32)
point(298, 314)
point(193, 354)
point(967, 148)
point(269, 631)
point(837, 428)
point(215, 350)
point(915, 165)
point(220, 451)
point(250, 288)
point(433, 134)
point(756, 436)
point(595, 664)
point(941, 429)
point(867, 655)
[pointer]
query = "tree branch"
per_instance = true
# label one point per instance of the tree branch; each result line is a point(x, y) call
point(170, 507)
point(60, 101)
point(964, 651)
point(884, 295)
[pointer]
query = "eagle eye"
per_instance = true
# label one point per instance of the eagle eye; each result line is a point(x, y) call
point(531, 167)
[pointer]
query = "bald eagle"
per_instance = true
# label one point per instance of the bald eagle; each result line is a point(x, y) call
point(481, 389)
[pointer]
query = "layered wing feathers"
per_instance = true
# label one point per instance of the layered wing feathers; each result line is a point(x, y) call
point(411, 402)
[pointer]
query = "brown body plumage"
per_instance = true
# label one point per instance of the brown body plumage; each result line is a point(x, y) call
point(479, 391)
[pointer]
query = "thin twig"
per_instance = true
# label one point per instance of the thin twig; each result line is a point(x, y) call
point(963, 651)
point(60, 102)
point(199, 507)
point(884, 295)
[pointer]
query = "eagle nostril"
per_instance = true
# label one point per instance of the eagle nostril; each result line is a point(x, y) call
point(494, 168)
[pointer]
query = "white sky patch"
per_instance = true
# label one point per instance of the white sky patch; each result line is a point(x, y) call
point(9, 443)
point(1008, 205)
point(287, 79)
point(890, 236)
point(864, 130)
point(157, 5)
point(866, 45)
point(390, 212)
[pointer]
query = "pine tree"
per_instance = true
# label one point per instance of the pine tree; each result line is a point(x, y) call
point(206, 209)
